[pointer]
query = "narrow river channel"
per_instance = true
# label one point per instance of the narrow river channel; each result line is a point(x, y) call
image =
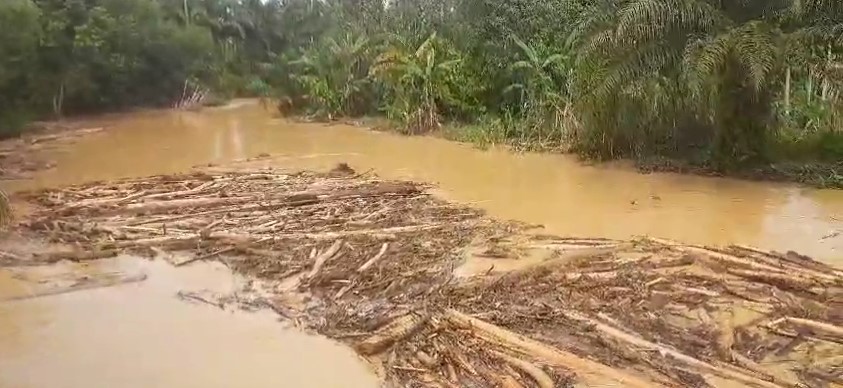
point(557, 191)
point(140, 335)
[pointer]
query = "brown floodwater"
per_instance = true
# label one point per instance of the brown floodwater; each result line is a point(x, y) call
point(557, 191)
point(141, 335)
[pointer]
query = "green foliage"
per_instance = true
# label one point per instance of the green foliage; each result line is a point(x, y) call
point(724, 84)
point(423, 82)
point(333, 76)
point(20, 32)
point(673, 76)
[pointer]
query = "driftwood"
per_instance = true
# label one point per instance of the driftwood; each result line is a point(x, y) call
point(591, 372)
point(52, 257)
point(538, 375)
point(79, 286)
point(206, 256)
point(368, 264)
point(832, 332)
point(398, 329)
point(669, 299)
point(322, 258)
point(690, 361)
point(777, 279)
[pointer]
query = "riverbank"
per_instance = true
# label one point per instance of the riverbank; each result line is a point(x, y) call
point(442, 295)
point(813, 173)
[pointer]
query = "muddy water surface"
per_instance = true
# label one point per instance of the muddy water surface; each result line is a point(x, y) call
point(140, 335)
point(557, 191)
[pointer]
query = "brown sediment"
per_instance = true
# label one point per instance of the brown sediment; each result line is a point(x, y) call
point(375, 264)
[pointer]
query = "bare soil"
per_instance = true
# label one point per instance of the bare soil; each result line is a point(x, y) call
point(372, 263)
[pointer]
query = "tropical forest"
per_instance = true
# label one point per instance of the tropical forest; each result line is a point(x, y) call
point(421, 193)
point(750, 87)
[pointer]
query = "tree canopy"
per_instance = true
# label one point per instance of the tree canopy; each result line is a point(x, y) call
point(726, 83)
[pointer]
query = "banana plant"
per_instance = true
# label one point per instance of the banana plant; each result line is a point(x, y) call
point(334, 75)
point(421, 80)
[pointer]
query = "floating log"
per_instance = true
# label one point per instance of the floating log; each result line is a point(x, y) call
point(81, 286)
point(396, 330)
point(591, 372)
point(688, 360)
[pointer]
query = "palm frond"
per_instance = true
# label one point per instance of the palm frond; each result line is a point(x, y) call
point(644, 20)
point(513, 87)
point(528, 51)
point(552, 59)
point(426, 45)
point(756, 50)
point(702, 58)
point(520, 65)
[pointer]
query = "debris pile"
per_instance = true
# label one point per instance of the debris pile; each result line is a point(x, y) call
point(375, 264)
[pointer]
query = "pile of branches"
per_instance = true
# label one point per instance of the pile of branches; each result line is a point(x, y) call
point(371, 263)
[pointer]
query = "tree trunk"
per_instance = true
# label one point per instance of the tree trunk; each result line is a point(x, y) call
point(787, 92)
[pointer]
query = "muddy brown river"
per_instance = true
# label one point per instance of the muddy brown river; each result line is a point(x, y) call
point(557, 191)
point(140, 335)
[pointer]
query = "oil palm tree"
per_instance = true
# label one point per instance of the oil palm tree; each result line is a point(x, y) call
point(722, 62)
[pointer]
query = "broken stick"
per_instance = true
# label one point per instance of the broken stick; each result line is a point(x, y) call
point(374, 259)
point(323, 258)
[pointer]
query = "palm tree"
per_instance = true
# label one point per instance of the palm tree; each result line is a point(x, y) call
point(421, 80)
point(709, 65)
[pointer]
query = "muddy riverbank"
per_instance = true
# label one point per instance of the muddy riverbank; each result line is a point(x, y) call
point(439, 294)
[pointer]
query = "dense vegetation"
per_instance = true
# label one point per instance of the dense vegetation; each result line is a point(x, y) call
point(723, 85)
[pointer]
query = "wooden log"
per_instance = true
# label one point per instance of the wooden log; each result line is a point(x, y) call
point(817, 327)
point(368, 264)
point(77, 256)
point(792, 262)
point(175, 194)
point(323, 258)
point(88, 285)
point(777, 279)
point(591, 372)
point(394, 331)
point(206, 256)
point(644, 344)
point(166, 241)
point(538, 375)
point(192, 203)
point(382, 234)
